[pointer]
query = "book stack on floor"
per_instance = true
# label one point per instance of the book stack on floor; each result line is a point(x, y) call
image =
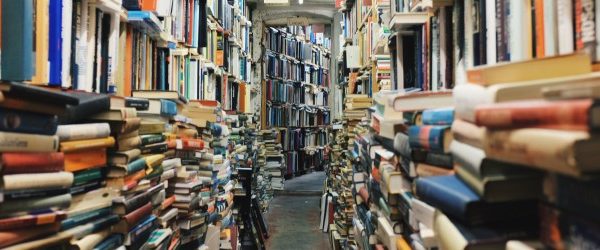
point(549, 126)
point(271, 163)
point(137, 177)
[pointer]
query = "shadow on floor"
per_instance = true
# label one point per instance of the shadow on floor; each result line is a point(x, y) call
point(294, 220)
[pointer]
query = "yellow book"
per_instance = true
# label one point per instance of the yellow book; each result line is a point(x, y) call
point(70, 146)
point(536, 69)
point(41, 43)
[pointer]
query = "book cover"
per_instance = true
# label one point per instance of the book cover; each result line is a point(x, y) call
point(33, 204)
point(27, 122)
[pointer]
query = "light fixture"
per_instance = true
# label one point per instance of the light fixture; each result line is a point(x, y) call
point(276, 2)
point(300, 1)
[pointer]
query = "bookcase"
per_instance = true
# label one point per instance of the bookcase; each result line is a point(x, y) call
point(425, 84)
point(130, 125)
point(295, 93)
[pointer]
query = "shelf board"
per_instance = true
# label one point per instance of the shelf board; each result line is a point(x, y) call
point(402, 21)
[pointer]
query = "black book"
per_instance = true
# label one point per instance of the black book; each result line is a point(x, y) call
point(88, 104)
point(34, 93)
point(27, 122)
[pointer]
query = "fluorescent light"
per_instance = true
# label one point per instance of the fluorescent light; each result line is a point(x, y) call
point(300, 1)
point(277, 2)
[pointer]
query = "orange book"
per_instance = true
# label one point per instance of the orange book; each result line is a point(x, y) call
point(85, 159)
point(128, 61)
point(70, 146)
point(149, 5)
point(539, 29)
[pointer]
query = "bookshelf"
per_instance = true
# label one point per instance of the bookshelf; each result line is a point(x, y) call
point(424, 82)
point(295, 93)
point(137, 131)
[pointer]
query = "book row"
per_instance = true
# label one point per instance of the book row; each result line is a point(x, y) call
point(284, 68)
point(281, 92)
point(296, 116)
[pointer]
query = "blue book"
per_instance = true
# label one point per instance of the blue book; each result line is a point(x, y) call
point(578, 196)
point(27, 122)
point(433, 138)
point(441, 116)
point(111, 242)
point(168, 108)
point(55, 42)
point(145, 20)
point(81, 219)
point(455, 199)
point(17, 40)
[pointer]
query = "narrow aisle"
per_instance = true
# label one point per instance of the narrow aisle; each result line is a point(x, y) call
point(293, 217)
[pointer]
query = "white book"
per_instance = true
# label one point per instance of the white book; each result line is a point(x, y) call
point(566, 43)
point(67, 17)
point(443, 49)
point(519, 23)
point(550, 28)
point(468, 34)
point(490, 36)
point(435, 57)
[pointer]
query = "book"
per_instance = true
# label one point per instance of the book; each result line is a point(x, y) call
point(17, 30)
point(76, 132)
point(572, 91)
point(27, 122)
point(421, 101)
point(37, 181)
point(568, 115)
point(441, 116)
point(535, 69)
point(21, 163)
point(116, 114)
point(85, 159)
point(33, 204)
point(123, 157)
point(20, 142)
point(430, 137)
point(468, 133)
point(140, 104)
point(12, 237)
point(454, 198)
point(551, 150)
point(79, 145)
point(30, 220)
point(169, 95)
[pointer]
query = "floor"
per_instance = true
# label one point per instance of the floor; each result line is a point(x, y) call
point(293, 216)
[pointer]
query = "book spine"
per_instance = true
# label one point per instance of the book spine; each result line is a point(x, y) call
point(438, 117)
point(21, 163)
point(86, 176)
point(136, 165)
point(34, 181)
point(80, 219)
point(17, 41)
point(31, 220)
point(136, 202)
point(83, 131)
point(55, 40)
point(540, 44)
point(559, 114)
point(71, 146)
point(138, 104)
point(19, 142)
point(128, 143)
point(137, 215)
point(585, 27)
point(427, 137)
point(113, 241)
point(551, 150)
point(157, 148)
point(33, 193)
point(60, 201)
point(151, 139)
point(86, 159)
point(25, 122)
point(566, 38)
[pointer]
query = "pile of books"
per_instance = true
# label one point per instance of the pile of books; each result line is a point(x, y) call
point(271, 166)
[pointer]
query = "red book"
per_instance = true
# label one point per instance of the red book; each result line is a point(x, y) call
point(31, 220)
point(23, 163)
point(568, 114)
point(190, 144)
